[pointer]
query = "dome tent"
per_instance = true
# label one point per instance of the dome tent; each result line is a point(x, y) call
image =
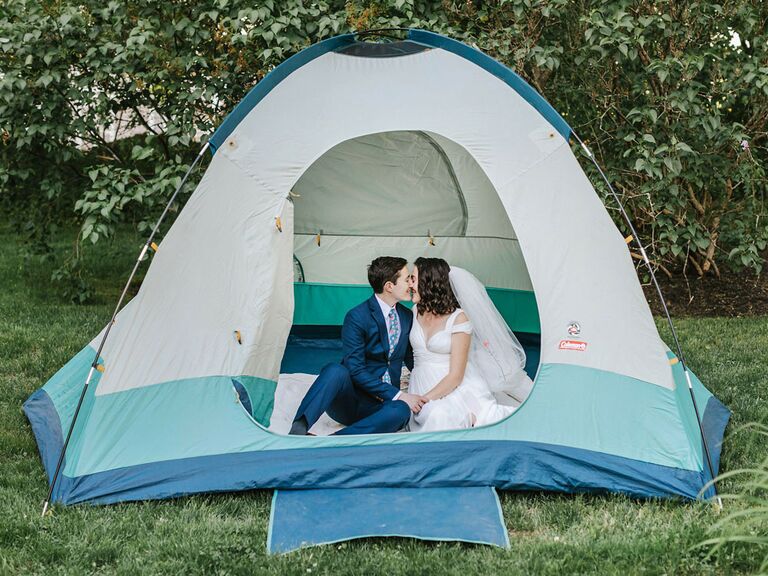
point(346, 151)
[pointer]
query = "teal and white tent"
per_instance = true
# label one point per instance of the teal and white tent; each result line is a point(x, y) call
point(350, 150)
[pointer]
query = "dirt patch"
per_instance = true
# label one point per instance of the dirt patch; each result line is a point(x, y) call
point(735, 294)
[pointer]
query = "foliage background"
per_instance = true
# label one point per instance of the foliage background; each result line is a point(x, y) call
point(103, 105)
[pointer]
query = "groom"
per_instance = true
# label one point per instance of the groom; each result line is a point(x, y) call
point(363, 391)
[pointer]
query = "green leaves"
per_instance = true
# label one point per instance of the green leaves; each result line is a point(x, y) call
point(672, 120)
point(102, 105)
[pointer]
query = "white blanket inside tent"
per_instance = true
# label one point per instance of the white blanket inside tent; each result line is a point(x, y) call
point(291, 389)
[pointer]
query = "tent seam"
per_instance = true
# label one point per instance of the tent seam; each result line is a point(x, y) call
point(531, 167)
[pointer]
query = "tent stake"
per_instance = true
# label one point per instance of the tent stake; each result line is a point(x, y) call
point(94, 365)
point(680, 355)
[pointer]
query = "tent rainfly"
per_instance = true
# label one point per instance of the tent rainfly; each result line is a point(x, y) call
point(349, 150)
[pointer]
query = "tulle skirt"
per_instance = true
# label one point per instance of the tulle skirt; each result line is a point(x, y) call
point(470, 404)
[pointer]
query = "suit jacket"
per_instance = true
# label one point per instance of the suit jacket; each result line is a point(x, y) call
point(366, 348)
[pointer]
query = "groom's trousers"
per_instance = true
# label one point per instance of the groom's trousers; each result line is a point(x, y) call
point(334, 392)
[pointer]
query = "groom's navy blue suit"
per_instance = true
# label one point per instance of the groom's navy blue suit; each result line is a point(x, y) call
point(354, 392)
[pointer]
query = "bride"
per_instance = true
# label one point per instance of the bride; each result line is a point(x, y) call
point(465, 356)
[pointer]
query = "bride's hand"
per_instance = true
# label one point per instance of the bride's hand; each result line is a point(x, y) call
point(414, 401)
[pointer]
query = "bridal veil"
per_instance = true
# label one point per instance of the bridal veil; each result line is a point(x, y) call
point(495, 350)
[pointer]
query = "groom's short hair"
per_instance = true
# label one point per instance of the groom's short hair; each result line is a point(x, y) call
point(384, 269)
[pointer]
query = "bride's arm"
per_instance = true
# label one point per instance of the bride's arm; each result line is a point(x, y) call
point(459, 353)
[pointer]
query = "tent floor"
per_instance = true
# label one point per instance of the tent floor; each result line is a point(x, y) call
point(309, 348)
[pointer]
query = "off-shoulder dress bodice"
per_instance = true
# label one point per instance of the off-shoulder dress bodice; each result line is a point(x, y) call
point(471, 403)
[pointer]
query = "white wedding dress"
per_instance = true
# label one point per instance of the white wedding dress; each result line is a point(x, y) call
point(471, 404)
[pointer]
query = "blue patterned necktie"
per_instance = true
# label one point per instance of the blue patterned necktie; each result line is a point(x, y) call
point(394, 335)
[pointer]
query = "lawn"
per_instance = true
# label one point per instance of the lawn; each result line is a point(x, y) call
point(226, 534)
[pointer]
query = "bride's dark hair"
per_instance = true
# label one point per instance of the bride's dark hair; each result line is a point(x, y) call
point(435, 294)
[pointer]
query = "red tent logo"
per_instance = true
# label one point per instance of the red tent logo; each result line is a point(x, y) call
point(573, 345)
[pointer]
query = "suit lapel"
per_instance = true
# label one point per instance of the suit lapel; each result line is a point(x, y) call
point(378, 317)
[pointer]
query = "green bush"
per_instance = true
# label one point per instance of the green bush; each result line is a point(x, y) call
point(671, 97)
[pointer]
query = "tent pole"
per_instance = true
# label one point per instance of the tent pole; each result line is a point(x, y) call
point(95, 364)
point(666, 312)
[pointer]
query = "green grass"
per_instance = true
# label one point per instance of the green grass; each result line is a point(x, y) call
point(226, 534)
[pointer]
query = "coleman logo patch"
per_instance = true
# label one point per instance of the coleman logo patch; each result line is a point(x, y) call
point(573, 345)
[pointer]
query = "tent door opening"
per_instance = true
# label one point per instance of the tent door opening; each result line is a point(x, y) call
point(403, 193)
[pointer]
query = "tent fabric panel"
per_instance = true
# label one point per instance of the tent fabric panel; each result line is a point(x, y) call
point(359, 187)
point(499, 70)
point(603, 411)
point(496, 262)
point(494, 124)
point(509, 465)
point(435, 183)
point(227, 429)
point(50, 410)
point(327, 304)
point(714, 420)
point(713, 413)
point(222, 268)
point(65, 386)
point(46, 426)
point(573, 402)
point(486, 213)
point(168, 421)
point(518, 307)
point(582, 273)
point(567, 407)
point(277, 75)
point(257, 396)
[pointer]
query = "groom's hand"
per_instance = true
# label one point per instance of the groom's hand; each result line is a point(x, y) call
point(414, 401)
